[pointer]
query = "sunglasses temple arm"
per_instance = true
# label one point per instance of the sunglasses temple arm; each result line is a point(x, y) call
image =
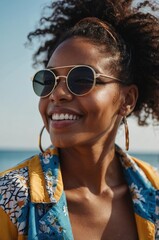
point(107, 76)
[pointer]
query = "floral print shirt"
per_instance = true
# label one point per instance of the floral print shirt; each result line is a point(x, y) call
point(33, 204)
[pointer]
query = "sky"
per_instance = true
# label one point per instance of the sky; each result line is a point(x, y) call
point(20, 121)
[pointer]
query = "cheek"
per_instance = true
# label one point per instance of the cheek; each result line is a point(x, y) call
point(106, 103)
point(41, 107)
point(42, 110)
point(109, 97)
point(116, 96)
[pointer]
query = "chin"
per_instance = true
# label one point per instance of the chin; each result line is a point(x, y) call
point(67, 141)
point(61, 142)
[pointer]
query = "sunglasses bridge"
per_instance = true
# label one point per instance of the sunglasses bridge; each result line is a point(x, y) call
point(58, 79)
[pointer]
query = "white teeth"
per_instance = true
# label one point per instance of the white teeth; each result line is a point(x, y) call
point(71, 117)
point(66, 116)
point(63, 116)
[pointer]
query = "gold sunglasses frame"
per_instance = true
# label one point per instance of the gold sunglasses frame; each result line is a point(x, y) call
point(96, 75)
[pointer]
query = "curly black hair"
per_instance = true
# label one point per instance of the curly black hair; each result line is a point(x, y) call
point(134, 29)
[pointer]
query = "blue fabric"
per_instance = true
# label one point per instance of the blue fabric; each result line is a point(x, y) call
point(143, 194)
point(50, 220)
point(32, 231)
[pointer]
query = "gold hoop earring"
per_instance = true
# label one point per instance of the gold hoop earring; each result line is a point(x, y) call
point(40, 137)
point(126, 133)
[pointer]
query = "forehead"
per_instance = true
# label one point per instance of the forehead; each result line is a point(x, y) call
point(79, 51)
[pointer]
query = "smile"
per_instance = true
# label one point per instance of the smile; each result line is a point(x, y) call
point(64, 116)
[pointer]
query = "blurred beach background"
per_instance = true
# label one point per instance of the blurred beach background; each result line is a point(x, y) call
point(20, 121)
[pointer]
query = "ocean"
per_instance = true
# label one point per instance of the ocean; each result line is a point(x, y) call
point(10, 158)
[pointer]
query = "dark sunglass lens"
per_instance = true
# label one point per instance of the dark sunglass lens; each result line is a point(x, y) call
point(43, 83)
point(81, 80)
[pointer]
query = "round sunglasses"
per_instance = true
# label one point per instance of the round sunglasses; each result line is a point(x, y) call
point(80, 80)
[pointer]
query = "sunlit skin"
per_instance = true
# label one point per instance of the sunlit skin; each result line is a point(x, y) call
point(98, 198)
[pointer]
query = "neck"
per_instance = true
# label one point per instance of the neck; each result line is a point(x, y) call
point(95, 167)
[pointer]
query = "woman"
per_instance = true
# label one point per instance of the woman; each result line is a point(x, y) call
point(103, 65)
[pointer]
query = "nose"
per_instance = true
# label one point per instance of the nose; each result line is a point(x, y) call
point(61, 92)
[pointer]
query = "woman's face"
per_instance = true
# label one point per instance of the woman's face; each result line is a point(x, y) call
point(88, 118)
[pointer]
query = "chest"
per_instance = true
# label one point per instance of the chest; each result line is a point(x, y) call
point(103, 218)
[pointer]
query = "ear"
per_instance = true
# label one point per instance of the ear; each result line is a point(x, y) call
point(130, 96)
